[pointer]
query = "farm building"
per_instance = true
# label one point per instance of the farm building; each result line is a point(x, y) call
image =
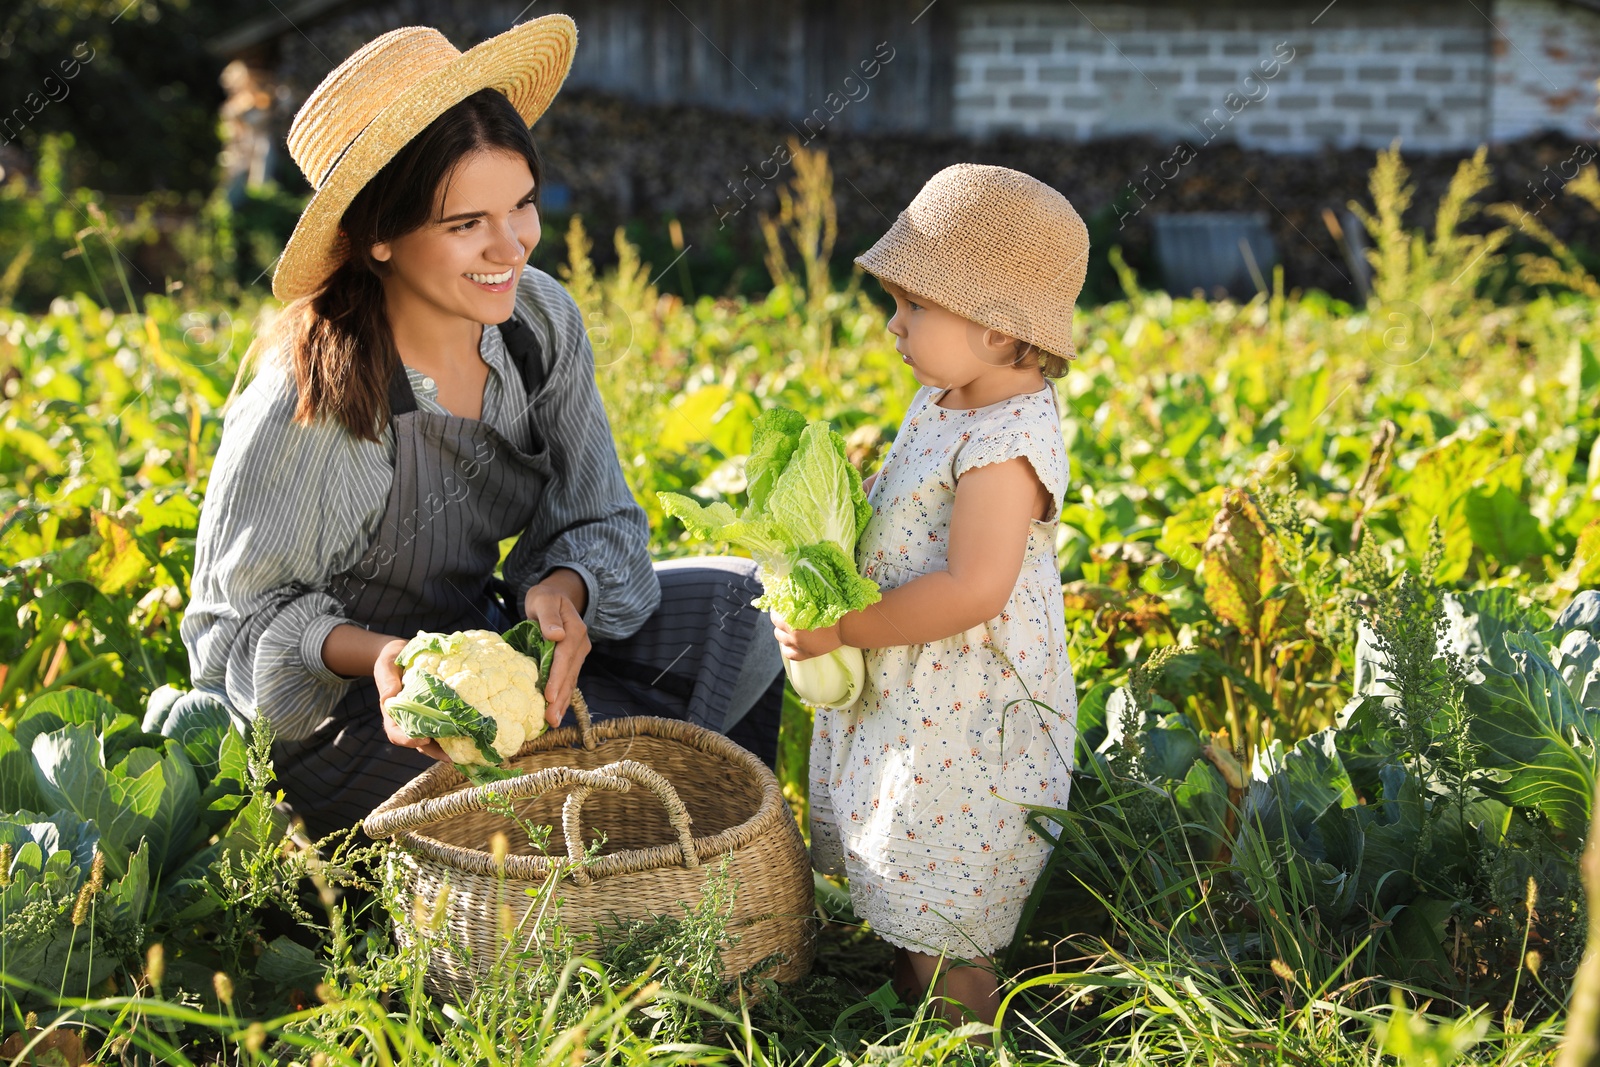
point(1288, 78)
point(1281, 106)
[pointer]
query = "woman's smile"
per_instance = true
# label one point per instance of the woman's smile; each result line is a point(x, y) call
point(495, 283)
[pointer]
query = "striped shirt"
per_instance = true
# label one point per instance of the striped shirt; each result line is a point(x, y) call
point(288, 507)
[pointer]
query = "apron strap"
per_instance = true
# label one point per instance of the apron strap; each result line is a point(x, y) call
point(526, 354)
point(523, 345)
point(402, 401)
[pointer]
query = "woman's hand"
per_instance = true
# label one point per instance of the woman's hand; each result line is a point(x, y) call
point(557, 605)
point(805, 644)
point(390, 679)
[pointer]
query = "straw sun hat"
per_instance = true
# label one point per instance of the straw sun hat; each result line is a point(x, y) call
point(993, 245)
point(385, 94)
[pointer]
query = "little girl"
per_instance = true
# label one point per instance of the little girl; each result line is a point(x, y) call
point(969, 707)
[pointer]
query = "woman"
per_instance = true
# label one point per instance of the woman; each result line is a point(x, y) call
point(427, 397)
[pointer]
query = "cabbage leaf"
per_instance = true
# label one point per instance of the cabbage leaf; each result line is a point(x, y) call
point(804, 514)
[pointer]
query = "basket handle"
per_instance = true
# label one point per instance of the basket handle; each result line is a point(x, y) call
point(580, 711)
point(414, 816)
point(626, 770)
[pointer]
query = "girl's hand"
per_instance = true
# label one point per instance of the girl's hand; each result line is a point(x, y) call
point(390, 679)
point(805, 644)
point(554, 603)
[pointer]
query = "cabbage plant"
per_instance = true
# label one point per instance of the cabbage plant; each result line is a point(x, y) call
point(86, 787)
point(48, 861)
point(805, 512)
point(170, 780)
point(1398, 811)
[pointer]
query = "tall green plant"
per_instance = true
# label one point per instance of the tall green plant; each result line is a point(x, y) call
point(808, 217)
point(57, 241)
point(1560, 266)
point(1438, 275)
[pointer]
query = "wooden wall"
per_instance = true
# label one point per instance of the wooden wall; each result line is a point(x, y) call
point(775, 57)
point(764, 57)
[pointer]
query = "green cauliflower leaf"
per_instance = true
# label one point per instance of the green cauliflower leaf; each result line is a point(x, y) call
point(527, 638)
point(428, 707)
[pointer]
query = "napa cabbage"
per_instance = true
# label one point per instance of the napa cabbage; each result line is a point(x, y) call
point(805, 511)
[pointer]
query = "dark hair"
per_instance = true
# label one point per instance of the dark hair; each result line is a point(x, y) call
point(338, 339)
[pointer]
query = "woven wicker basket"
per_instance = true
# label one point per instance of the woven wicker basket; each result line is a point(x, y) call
point(712, 799)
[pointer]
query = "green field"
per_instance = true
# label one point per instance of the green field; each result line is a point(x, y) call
point(1339, 686)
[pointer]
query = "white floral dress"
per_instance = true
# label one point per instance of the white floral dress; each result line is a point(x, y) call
point(915, 789)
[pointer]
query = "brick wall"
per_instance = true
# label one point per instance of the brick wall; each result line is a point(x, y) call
point(1546, 57)
point(1361, 75)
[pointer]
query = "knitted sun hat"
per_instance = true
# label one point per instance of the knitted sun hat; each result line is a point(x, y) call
point(384, 95)
point(993, 245)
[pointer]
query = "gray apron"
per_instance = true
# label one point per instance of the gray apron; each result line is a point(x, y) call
point(459, 489)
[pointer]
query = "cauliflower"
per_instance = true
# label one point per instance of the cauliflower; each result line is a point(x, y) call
point(477, 692)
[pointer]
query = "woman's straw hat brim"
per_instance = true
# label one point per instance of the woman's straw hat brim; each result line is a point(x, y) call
point(994, 245)
point(381, 97)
